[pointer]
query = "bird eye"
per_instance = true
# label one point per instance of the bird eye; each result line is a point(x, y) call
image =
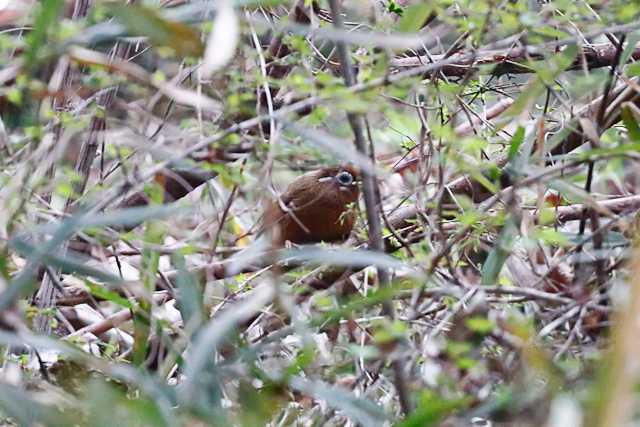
point(344, 178)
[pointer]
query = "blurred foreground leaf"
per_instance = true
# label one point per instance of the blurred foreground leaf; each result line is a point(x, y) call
point(359, 409)
point(432, 409)
point(38, 39)
point(143, 21)
point(25, 410)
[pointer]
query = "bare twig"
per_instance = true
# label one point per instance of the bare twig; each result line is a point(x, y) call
point(371, 198)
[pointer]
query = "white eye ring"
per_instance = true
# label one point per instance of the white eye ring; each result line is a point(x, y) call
point(344, 178)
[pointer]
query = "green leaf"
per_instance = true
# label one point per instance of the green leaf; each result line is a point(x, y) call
point(519, 154)
point(432, 409)
point(27, 411)
point(162, 394)
point(359, 409)
point(200, 389)
point(108, 295)
point(38, 37)
point(632, 41)
point(572, 192)
point(189, 13)
point(154, 234)
point(342, 257)
point(549, 31)
point(143, 21)
point(633, 69)
point(550, 236)
point(23, 283)
point(516, 142)
point(482, 180)
point(560, 136)
point(303, 359)
point(393, 7)
point(102, 397)
point(550, 68)
point(481, 325)
point(525, 100)
point(357, 303)
point(500, 252)
point(116, 218)
point(414, 17)
point(631, 124)
point(621, 150)
point(190, 301)
point(69, 263)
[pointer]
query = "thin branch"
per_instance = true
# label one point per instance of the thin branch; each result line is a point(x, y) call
point(514, 61)
point(371, 198)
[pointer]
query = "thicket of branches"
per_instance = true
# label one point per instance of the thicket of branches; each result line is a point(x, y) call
point(490, 278)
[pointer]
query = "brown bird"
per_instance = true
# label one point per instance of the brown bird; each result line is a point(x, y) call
point(317, 206)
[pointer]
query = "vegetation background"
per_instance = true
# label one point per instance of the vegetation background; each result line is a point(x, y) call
point(491, 278)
